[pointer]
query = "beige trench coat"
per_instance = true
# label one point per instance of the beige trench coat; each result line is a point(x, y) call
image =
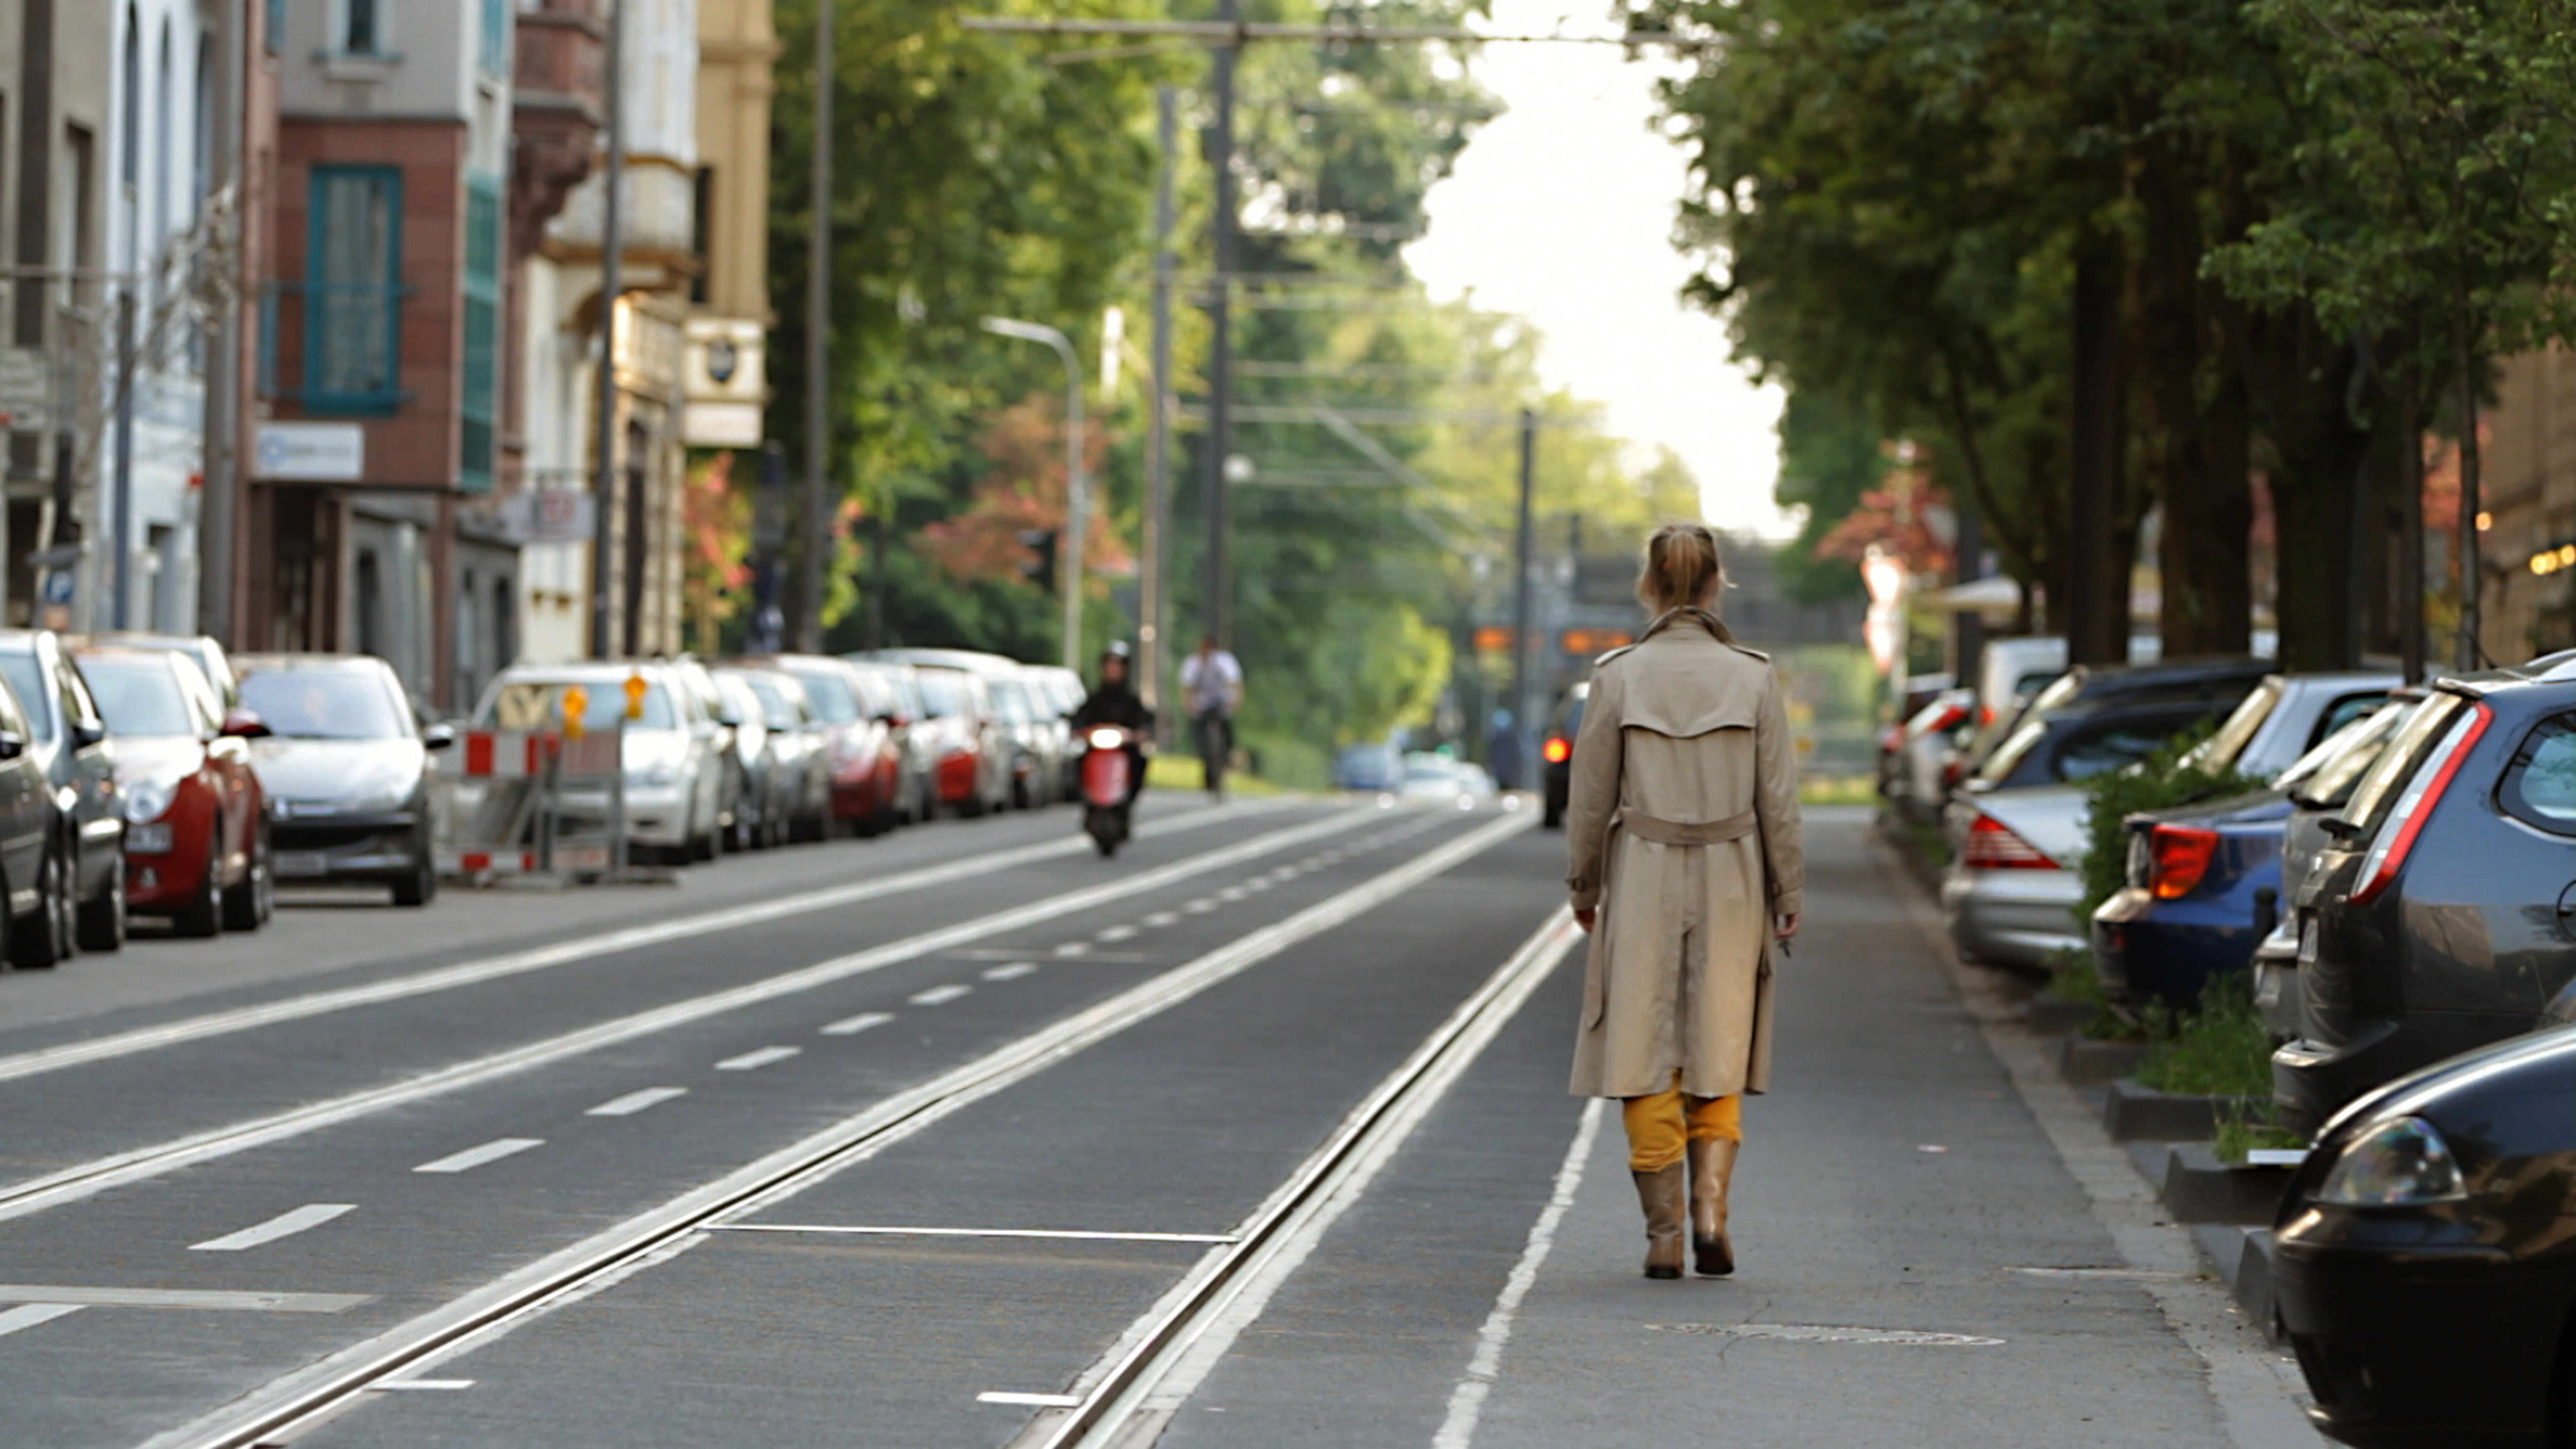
point(1685, 737)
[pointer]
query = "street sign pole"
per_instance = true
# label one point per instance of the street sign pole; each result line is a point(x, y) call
point(1217, 608)
point(604, 419)
point(1158, 447)
point(1524, 737)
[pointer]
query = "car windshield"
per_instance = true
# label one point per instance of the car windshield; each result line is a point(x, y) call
point(833, 700)
point(530, 704)
point(2398, 761)
point(27, 681)
point(2222, 749)
point(739, 698)
point(776, 703)
point(325, 703)
point(139, 696)
point(943, 693)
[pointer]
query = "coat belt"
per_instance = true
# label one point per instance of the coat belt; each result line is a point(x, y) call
point(1676, 832)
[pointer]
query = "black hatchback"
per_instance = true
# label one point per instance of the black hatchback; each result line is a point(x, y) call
point(2441, 915)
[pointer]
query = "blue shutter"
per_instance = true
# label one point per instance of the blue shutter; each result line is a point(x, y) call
point(353, 290)
point(479, 386)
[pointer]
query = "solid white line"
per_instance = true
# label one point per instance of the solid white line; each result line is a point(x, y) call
point(141, 1164)
point(30, 1314)
point(1467, 1401)
point(634, 1102)
point(793, 1168)
point(474, 1157)
point(317, 1003)
point(752, 1061)
point(1012, 972)
point(447, 1385)
point(853, 1025)
point(200, 1299)
point(285, 1224)
point(1034, 1401)
point(1068, 1234)
point(940, 995)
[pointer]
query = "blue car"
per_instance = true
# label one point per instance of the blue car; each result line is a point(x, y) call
point(2203, 889)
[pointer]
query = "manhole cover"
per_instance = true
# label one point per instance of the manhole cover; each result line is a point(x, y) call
point(1820, 1333)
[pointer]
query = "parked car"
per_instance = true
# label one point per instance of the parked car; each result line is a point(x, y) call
point(914, 736)
point(768, 797)
point(345, 768)
point(197, 841)
point(2422, 1258)
point(202, 650)
point(68, 741)
point(1925, 754)
point(2438, 919)
point(1440, 779)
point(1368, 768)
point(1556, 755)
point(710, 716)
point(36, 912)
point(2203, 881)
point(1063, 692)
point(1042, 745)
point(973, 773)
point(2313, 801)
point(2017, 827)
point(796, 779)
point(673, 771)
point(859, 740)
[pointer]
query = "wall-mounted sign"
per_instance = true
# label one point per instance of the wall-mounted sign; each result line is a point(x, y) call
point(312, 452)
point(549, 515)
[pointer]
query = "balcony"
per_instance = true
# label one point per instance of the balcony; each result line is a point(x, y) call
point(557, 102)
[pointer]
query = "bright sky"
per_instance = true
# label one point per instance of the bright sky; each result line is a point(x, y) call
point(1561, 211)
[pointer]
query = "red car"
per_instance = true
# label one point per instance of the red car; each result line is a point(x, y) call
point(858, 739)
point(196, 837)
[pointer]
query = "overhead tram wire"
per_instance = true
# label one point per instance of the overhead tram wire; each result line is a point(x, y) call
point(1236, 33)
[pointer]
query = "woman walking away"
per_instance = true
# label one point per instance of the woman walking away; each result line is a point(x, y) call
point(1683, 826)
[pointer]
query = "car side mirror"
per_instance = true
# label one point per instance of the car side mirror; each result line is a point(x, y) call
point(243, 725)
point(433, 737)
point(88, 732)
point(12, 745)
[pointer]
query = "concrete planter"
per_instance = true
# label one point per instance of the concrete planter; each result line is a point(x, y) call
point(2201, 1189)
point(2132, 1113)
point(2053, 1015)
point(2084, 1062)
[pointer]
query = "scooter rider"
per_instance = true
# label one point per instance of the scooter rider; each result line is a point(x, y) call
point(1113, 701)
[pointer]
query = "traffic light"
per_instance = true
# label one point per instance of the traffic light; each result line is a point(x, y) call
point(1040, 567)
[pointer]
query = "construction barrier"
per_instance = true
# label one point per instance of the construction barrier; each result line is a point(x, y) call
point(508, 812)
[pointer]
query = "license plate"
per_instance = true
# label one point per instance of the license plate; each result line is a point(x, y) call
point(295, 863)
point(147, 839)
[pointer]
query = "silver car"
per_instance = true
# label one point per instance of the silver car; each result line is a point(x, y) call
point(669, 754)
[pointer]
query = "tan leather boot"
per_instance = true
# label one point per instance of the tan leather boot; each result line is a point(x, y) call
point(1712, 1172)
point(1661, 1194)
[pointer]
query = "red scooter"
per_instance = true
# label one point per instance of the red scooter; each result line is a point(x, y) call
point(1108, 780)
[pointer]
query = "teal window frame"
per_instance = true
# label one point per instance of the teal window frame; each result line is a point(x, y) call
point(328, 300)
point(496, 37)
point(479, 371)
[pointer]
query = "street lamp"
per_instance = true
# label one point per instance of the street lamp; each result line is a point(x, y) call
point(1069, 568)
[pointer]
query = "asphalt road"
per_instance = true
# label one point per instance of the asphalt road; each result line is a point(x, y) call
point(1256, 1135)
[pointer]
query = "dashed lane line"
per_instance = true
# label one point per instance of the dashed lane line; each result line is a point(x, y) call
point(853, 1025)
point(704, 923)
point(1115, 934)
point(939, 995)
point(634, 1102)
point(752, 1061)
point(284, 1225)
point(1012, 972)
point(474, 1157)
point(1160, 919)
point(75, 1183)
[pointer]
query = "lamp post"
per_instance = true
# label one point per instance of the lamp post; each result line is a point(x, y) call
point(1069, 557)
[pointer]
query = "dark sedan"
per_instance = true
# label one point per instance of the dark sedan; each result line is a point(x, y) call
point(2439, 919)
point(2425, 1256)
point(346, 768)
point(68, 741)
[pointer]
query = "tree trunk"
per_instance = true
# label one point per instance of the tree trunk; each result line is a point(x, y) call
point(2096, 588)
point(2204, 432)
point(2473, 653)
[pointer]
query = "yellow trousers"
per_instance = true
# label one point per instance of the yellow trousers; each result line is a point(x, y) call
point(1661, 1127)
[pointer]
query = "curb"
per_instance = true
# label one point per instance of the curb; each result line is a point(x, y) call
point(2132, 1113)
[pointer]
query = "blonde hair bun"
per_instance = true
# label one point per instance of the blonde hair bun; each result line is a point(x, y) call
point(1682, 569)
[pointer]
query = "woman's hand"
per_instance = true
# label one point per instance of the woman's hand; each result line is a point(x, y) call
point(1786, 926)
point(1584, 916)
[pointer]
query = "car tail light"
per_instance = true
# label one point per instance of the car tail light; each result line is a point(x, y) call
point(1985, 715)
point(1947, 720)
point(2416, 804)
point(1951, 770)
point(1558, 749)
point(1892, 741)
point(2182, 854)
point(1992, 845)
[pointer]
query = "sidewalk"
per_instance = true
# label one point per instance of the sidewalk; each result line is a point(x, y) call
point(1897, 1182)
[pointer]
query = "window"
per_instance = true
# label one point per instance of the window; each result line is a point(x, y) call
point(496, 37)
point(276, 26)
point(480, 388)
point(353, 289)
point(2396, 764)
point(361, 30)
point(702, 198)
point(2540, 785)
point(2114, 744)
point(25, 675)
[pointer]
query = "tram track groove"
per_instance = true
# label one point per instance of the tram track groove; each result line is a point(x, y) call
point(285, 1406)
point(304, 1005)
point(71, 1184)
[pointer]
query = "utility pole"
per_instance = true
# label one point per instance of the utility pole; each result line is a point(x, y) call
point(1524, 739)
point(612, 243)
point(813, 542)
point(220, 496)
point(1158, 443)
point(1218, 606)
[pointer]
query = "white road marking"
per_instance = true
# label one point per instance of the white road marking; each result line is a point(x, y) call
point(853, 1025)
point(753, 1061)
point(1467, 1401)
point(398, 1385)
point(474, 1157)
point(1115, 933)
point(940, 995)
point(1826, 1333)
point(285, 1224)
point(1201, 906)
point(1257, 883)
point(1160, 919)
point(28, 1315)
point(1034, 1401)
point(784, 1172)
point(591, 945)
point(1012, 972)
point(1070, 1234)
point(1233, 893)
point(1074, 948)
point(634, 1102)
point(190, 1298)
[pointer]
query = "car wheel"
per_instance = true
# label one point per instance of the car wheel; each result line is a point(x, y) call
point(49, 944)
point(101, 926)
point(421, 886)
point(247, 905)
point(202, 916)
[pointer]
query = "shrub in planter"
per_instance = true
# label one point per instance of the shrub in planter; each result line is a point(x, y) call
point(2161, 781)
